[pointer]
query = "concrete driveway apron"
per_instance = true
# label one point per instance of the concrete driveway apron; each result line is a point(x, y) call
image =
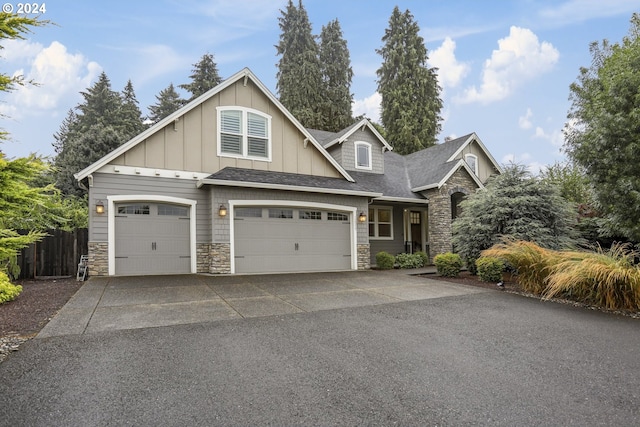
point(116, 303)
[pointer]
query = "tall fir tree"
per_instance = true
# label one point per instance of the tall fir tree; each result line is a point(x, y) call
point(299, 77)
point(105, 120)
point(205, 76)
point(411, 103)
point(131, 114)
point(168, 102)
point(337, 73)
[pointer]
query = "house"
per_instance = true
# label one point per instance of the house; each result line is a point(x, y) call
point(233, 183)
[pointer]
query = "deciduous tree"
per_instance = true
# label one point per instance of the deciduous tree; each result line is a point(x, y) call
point(603, 134)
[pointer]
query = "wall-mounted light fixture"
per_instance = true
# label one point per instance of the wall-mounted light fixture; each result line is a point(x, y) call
point(222, 211)
point(99, 207)
point(362, 217)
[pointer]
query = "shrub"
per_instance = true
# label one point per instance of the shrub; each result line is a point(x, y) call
point(604, 278)
point(424, 257)
point(409, 261)
point(471, 265)
point(448, 264)
point(384, 260)
point(8, 291)
point(490, 269)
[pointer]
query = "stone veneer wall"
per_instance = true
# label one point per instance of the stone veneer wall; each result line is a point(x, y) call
point(364, 257)
point(440, 211)
point(203, 260)
point(98, 259)
point(220, 257)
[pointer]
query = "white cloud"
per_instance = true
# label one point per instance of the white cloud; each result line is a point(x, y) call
point(582, 10)
point(520, 57)
point(58, 74)
point(450, 71)
point(369, 106)
point(555, 137)
point(525, 121)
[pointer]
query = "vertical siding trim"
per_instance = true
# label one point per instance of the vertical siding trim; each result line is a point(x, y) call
point(111, 231)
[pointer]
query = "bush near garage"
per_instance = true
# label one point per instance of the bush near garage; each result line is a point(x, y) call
point(384, 260)
point(490, 269)
point(448, 264)
point(409, 260)
point(8, 291)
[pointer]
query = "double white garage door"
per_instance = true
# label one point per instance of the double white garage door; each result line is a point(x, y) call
point(276, 239)
point(153, 238)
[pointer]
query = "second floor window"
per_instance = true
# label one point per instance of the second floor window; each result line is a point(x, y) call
point(244, 133)
point(363, 155)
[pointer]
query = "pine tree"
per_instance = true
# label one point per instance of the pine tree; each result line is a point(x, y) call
point(168, 102)
point(336, 78)
point(411, 104)
point(103, 112)
point(205, 76)
point(131, 114)
point(299, 73)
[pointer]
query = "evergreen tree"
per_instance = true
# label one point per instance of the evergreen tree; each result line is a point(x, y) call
point(336, 78)
point(102, 109)
point(513, 205)
point(131, 115)
point(299, 77)
point(205, 76)
point(168, 102)
point(411, 104)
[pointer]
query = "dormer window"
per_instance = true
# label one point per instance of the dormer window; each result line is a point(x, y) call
point(472, 161)
point(244, 133)
point(363, 155)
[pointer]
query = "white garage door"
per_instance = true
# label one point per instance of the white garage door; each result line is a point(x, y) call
point(274, 239)
point(152, 238)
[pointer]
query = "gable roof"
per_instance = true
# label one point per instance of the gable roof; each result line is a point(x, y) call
point(328, 139)
point(245, 73)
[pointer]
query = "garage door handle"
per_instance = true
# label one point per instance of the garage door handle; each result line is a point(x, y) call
point(153, 246)
point(297, 246)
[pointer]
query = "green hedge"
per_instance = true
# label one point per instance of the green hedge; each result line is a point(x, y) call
point(384, 260)
point(8, 291)
point(448, 264)
point(490, 269)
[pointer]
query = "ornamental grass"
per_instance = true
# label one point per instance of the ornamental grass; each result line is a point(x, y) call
point(530, 261)
point(605, 278)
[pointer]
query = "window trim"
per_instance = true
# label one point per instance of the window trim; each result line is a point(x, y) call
point(373, 219)
point(245, 133)
point(475, 158)
point(367, 145)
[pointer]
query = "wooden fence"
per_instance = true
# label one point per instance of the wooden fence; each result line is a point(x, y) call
point(57, 254)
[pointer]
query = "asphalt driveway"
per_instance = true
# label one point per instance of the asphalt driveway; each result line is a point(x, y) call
point(488, 358)
point(115, 303)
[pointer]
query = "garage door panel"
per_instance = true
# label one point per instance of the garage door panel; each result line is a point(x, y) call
point(152, 244)
point(291, 244)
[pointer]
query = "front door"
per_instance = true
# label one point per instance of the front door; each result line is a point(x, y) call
point(415, 230)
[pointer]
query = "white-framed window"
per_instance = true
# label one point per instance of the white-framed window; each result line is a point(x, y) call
point(381, 223)
point(244, 133)
point(472, 161)
point(363, 155)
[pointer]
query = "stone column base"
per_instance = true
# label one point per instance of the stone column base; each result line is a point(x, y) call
point(220, 257)
point(364, 257)
point(98, 259)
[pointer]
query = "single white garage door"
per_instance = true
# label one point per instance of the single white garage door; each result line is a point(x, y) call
point(152, 238)
point(274, 239)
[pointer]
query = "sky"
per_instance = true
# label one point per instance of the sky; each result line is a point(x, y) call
point(505, 66)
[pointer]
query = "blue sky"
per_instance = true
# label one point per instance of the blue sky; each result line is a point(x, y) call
point(505, 65)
